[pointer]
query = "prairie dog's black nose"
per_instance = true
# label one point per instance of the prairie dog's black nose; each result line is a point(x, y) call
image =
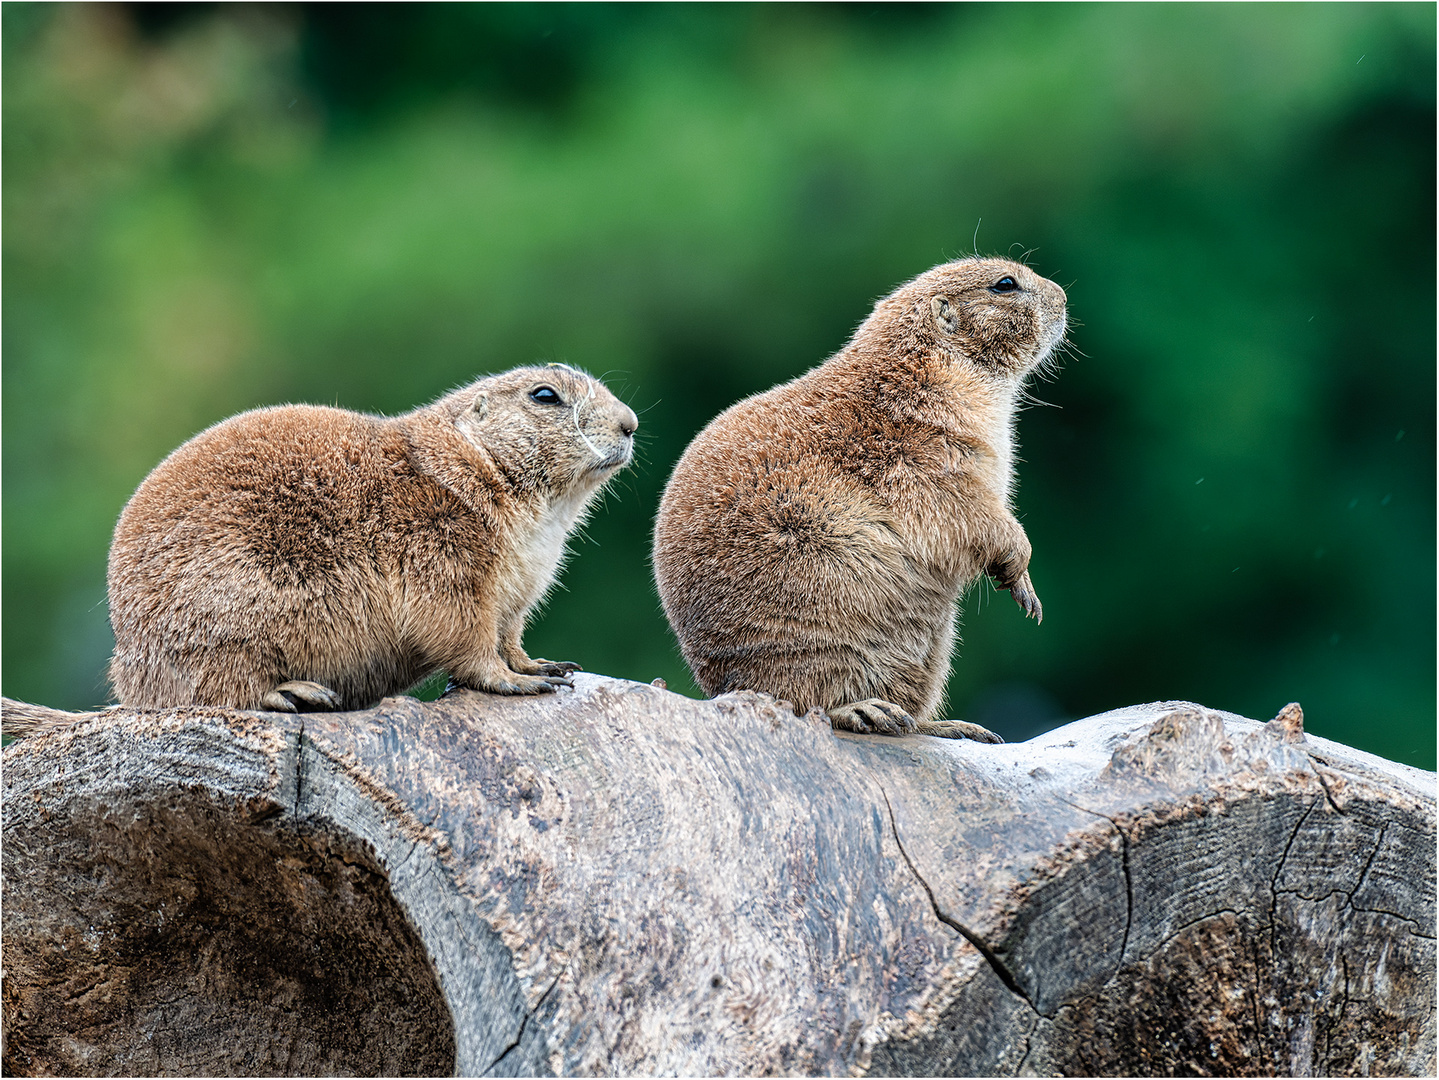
point(628, 422)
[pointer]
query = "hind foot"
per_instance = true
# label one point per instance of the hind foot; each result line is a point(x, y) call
point(301, 696)
point(958, 729)
point(873, 716)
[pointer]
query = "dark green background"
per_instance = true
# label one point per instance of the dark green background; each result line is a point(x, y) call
point(1231, 497)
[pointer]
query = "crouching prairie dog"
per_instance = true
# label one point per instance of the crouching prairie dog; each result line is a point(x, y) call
point(301, 557)
point(815, 539)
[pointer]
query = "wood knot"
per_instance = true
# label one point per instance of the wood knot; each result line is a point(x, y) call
point(1291, 723)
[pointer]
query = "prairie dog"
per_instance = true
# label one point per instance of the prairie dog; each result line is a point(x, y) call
point(814, 539)
point(302, 557)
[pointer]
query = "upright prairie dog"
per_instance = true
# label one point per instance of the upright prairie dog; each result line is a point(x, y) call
point(815, 539)
point(301, 557)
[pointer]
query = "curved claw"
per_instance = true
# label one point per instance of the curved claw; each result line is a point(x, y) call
point(274, 701)
point(301, 695)
point(1025, 596)
point(555, 667)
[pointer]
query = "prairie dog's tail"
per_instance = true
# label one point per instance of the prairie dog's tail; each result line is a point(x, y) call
point(20, 719)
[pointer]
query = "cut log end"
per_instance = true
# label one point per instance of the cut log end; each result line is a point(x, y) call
point(169, 929)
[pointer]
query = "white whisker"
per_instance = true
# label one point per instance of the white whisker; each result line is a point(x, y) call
point(575, 413)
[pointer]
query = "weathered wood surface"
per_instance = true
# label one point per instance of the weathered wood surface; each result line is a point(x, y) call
point(616, 879)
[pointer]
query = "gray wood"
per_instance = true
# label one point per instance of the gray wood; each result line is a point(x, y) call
point(616, 879)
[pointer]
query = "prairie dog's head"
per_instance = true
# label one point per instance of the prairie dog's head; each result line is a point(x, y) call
point(555, 426)
point(998, 313)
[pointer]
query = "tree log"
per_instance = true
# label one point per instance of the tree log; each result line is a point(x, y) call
point(617, 879)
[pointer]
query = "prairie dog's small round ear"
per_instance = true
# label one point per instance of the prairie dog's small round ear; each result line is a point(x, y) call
point(480, 407)
point(939, 306)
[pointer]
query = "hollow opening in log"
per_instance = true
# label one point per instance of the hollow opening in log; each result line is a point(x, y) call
point(198, 940)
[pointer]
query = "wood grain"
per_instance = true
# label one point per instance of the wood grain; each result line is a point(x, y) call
point(616, 879)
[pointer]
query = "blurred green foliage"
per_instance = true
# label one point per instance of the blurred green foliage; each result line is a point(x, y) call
point(1232, 500)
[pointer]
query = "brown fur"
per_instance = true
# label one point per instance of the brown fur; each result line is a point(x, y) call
point(814, 539)
point(304, 557)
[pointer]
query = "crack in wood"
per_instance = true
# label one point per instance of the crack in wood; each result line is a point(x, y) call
point(995, 963)
point(299, 766)
point(524, 1023)
point(1028, 1046)
point(1162, 942)
point(1368, 864)
point(1319, 775)
point(1274, 878)
point(1128, 895)
point(1318, 898)
point(1128, 883)
point(1412, 925)
point(427, 830)
point(406, 860)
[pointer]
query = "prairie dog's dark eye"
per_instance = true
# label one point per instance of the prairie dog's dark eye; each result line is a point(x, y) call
point(545, 395)
point(1004, 284)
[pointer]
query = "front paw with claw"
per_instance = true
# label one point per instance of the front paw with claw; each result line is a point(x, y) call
point(551, 668)
point(1025, 596)
point(1008, 568)
point(516, 684)
point(872, 716)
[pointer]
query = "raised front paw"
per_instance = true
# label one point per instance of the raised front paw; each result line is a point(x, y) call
point(872, 716)
point(958, 729)
point(1025, 596)
point(1007, 555)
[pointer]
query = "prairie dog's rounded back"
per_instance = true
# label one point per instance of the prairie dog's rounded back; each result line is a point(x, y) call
point(243, 542)
point(355, 553)
point(814, 538)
